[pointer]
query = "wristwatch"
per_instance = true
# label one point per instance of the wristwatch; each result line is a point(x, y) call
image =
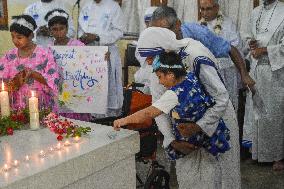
point(97, 38)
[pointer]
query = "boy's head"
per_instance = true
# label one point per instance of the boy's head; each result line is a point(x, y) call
point(169, 68)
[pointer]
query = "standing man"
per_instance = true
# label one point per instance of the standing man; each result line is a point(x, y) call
point(38, 10)
point(101, 22)
point(224, 27)
point(266, 43)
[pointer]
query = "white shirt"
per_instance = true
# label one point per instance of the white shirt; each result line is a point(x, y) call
point(105, 19)
point(38, 10)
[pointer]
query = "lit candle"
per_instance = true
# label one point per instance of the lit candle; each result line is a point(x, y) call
point(58, 146)
point(27, 158)
point(4, 101)
point(41, 154)
point(34, 115)
point(51, 149)
point(76, 139)
point(6, 167)
point(67, 143)
point(16, 163)
point(33, 103)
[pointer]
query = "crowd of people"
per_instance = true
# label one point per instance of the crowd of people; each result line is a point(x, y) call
point(192, 70)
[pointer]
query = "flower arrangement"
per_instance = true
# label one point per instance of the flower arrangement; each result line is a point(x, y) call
point(18, 120)
point(9, 124)
point(63, 127)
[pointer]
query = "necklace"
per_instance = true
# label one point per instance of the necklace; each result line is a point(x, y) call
point(218, 26)
point(259, 18)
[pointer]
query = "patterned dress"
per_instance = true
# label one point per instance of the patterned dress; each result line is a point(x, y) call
point(41, 61)
point(193, 103)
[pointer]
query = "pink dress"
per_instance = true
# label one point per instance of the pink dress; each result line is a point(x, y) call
point(78, 116)
point(41, 61)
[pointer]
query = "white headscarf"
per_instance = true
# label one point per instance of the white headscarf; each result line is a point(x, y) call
point(155, 40)
point(149, 13)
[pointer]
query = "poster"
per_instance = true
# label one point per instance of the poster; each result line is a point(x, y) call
point(84, 78)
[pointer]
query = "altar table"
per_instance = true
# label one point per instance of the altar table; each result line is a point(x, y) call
point(103, 159)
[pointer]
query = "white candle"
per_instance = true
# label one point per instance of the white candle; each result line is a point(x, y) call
point(4, 101)
point(34, 120)
point(33, 103)
point(67, 143)
point(6, 168)
point(76, 139)
point(16, 163)
point(27, 158)
point(58, 146)
point(41, 154)
point(51, 149)
point(34, 115)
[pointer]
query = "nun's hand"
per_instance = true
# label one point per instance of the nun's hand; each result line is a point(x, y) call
point(188, 129)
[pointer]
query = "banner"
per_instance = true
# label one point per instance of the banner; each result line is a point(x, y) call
point(84, 76)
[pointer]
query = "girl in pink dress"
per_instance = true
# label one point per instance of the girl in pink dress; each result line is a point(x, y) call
point(29, 67)
point(58, 25)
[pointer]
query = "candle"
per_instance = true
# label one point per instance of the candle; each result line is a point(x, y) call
point(76, 139)
point(4, 101)
point(33, 103)
point(6, 167)
point(58, 146)
point(67, 143)
point(27, 158)
point(41, 154)
point(34, 115)
point(16, 163)
point(34, 120)
point(51, 149)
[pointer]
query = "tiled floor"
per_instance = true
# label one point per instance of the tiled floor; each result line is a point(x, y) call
point(254, 176)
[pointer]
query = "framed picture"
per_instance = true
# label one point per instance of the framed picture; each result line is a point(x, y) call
point(3, 15)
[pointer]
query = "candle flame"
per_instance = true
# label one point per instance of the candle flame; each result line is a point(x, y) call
point(33, 93)
point(16, 163)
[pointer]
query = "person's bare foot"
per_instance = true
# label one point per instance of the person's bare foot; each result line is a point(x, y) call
point(278, 166)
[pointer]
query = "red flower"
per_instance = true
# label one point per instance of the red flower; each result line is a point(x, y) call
point(10, 131)
point(60, 131)
point(14, 117)
point(59, 137)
